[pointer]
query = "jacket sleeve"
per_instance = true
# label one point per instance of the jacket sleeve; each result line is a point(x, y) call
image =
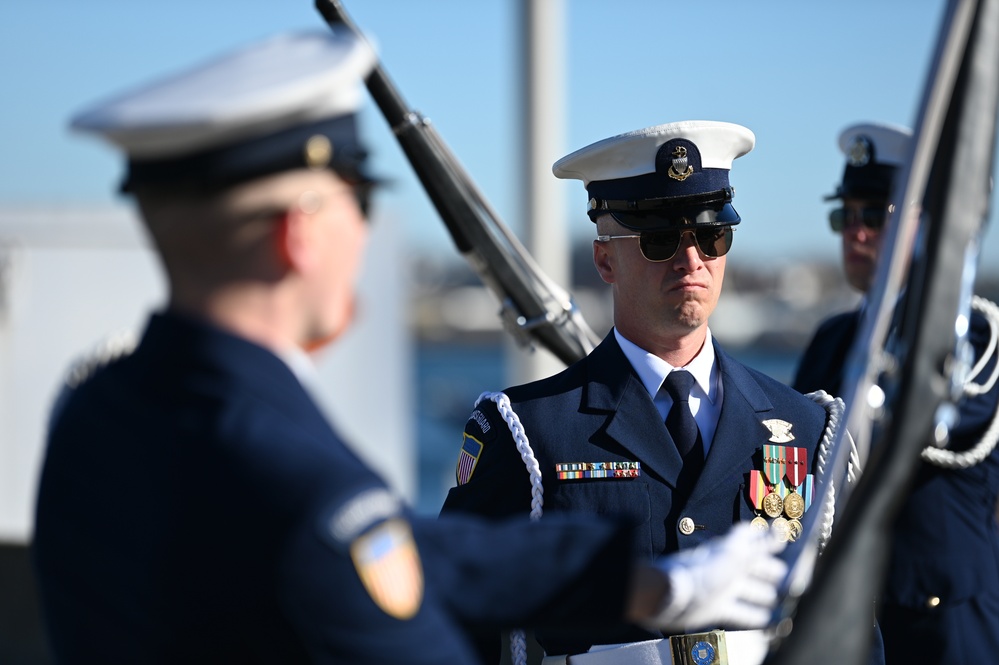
point(561, 571)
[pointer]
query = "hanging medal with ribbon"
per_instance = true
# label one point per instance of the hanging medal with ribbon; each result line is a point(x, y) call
point(781, 529)
point(794, 529)
point(797, 468)
point(774, 465)
point(757, 490)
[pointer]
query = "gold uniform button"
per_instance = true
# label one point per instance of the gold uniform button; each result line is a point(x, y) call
point(686, 526)
point(932, 601)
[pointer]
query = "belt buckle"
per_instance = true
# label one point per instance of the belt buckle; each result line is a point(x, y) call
point(699, 648)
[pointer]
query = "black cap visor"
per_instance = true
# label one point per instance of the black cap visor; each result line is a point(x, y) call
point(665, 219)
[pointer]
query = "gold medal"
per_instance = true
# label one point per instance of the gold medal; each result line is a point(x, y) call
point(793, 530)
point(780, 529)
point(759, 524)
point(773, 505)
point(794, 506)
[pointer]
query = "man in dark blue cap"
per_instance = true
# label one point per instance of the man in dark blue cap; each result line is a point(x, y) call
point(658, 424)
point(195, 506)
point(941, 599)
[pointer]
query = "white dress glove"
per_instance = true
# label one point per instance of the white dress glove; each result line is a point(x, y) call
point(727, 582)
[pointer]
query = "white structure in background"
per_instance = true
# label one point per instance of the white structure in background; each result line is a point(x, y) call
point(71, 277)
point(544, 235)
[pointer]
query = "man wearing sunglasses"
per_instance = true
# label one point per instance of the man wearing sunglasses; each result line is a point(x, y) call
point(658, 424)
point(941, 599)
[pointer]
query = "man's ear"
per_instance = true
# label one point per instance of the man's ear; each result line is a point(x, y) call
point(604, 261)
point(293, 241)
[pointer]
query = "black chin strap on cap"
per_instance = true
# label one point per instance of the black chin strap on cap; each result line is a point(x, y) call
point(714, 200)
point(708, 209)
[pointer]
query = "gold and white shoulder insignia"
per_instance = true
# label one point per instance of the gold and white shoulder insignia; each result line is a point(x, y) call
point(780, 430)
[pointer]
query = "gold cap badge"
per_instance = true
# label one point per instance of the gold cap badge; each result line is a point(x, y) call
point(318, 152)
point(679, 169)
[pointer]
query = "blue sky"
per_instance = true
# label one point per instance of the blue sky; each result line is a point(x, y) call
point(794, 72)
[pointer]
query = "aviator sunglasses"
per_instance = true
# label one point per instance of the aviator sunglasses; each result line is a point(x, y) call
point(871, 218)
point(658, 246)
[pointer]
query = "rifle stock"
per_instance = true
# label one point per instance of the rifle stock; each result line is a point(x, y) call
point(926, 275)
point(534, 308)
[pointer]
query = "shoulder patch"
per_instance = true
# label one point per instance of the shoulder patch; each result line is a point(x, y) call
point(387, 561)
point(468, 458)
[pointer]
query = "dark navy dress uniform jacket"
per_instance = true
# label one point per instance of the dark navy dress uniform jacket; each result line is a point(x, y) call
point(941, 601)
point(597, 410)
point(183, 517)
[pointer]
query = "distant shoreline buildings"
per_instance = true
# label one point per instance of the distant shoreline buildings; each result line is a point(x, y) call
point(773, 308)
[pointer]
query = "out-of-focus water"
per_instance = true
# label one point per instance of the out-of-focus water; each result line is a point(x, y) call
point(450, 377)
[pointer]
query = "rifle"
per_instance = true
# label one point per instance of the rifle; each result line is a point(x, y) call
point(533, 307)
point(902, 384)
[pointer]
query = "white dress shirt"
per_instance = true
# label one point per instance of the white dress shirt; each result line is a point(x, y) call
point(705, 395)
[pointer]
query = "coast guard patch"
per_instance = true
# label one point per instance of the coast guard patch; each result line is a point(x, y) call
point(389, 567)
point(471, 448)
point(480, 419)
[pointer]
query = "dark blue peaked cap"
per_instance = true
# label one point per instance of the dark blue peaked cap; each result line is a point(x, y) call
point(874, 152)
point(331, 143)
point(662, 177)
point(284, 103)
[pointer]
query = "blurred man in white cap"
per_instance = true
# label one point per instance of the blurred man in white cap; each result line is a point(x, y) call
point(941, 598)
point(874, 153)
point(195, 505)
point(658, 425)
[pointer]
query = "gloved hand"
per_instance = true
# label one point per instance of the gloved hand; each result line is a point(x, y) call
point(727, 582)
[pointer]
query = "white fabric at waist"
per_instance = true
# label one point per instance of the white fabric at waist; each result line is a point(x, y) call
point(744, 647)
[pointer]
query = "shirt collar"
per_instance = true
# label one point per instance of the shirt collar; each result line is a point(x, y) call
point(301, 365)
point(652, 369)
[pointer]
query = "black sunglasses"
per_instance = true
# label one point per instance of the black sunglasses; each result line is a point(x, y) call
point(658, 246)
point(872, 219)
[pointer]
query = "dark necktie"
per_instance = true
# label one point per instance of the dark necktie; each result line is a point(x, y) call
point(682, 427)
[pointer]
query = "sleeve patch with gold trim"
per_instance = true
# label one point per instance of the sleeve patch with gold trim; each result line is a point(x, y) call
point(468, 458)
point(389, 566)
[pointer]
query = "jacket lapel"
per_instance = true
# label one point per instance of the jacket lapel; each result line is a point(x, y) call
point(633, 421)
point(740, 431)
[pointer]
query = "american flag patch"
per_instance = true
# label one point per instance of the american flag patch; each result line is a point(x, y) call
point(389, 567)
point(471, 448)
point(579, 470)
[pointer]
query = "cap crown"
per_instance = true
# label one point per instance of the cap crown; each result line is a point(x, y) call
point(635, 153)
point(263, 108)
point(645, 177)
point(874, 152)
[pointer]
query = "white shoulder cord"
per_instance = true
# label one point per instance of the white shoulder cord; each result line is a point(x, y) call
point(939, 457)
point(523, 447)
point(109, 349)
point(834, 407)
point(948, 459)
point(518, 638)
